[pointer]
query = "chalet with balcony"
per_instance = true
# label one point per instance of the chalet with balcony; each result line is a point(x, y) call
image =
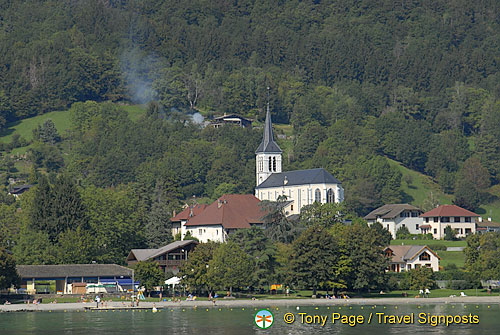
point(170, 257)
point(394, 216)
point(407, 257)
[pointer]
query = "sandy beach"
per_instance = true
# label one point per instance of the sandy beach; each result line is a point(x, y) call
point(257, 303)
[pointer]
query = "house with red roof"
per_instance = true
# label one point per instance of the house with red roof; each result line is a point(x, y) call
point(225, 215)
point(179, 221)
point(458, 218)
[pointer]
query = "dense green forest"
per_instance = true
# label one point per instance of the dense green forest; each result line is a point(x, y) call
point(358, 82)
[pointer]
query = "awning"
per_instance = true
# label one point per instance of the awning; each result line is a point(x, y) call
point(173, 281)
point(123, 282)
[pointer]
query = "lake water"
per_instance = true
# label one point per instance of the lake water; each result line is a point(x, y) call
point(241, 321)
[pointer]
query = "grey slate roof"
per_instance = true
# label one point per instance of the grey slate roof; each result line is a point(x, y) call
point(72, 270)
point(268, 145)
point(390, 211)
point(299, 177)
point(145, 254)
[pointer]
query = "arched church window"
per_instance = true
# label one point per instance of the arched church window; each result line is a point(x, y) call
point(274, 164)
point(270, 164)
point(317, 195)
point(330, 196)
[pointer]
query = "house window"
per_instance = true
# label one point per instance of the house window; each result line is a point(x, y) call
point(317, 195)
point(424, 257)
point(414, 214)
point(200, 231)
point(409, 267)
point(291, 207)
point(435, 231)
point(417, 226)
point(217, 232)
point(445, 219)
point(468, 231)
point(403, 225)
point(467, 219)
point(456, 219)
point(401, 215)
point(330, 196)
point(436, 219)
point(427, 220)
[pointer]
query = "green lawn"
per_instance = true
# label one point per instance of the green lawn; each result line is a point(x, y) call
point(418, 186)
point(430, 243)
point(61, 120)
point(25, 127)
point(451, 257)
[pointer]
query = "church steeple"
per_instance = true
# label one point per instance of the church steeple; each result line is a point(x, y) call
point(268, 145)
point(268, 154)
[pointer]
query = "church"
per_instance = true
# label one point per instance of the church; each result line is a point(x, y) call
point(301, 187)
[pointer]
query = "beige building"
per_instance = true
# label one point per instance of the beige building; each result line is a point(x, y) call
point(407, 257)
point(461, 220)
point(300, 187)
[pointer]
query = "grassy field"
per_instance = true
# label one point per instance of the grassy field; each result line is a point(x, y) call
point(451, 257)
point(430, 243)
point(418, 186)
point(61, 120)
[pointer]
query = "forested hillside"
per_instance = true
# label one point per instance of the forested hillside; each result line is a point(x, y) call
point(358, 81)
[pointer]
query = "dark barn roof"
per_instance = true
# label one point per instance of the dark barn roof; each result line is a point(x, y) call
point(299, 177)
point(72, 270)
point(145, 254)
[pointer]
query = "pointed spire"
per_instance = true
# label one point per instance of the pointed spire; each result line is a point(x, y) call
point(268, 144)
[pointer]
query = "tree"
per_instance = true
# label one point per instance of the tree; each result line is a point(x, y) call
point(230, 267)
point(384, 236)
point(194, 272)
point(403, 233)
point(421, 278)
point(157, 230)
point(449, 233)
point(277, 226)
point(318, 261)
point(8, 272)
point(46, 133)
point(324, 215)
point(364, 247)
point(149, 274)
point(257, 245)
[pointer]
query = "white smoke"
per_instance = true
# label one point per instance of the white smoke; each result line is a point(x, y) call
point(136, 68)
point(197, 118)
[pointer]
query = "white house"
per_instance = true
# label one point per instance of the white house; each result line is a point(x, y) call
point(458, 218)
point(301, 187)
point(394, 216)
point(178, 222)
point(407, 257)
point(225, 215)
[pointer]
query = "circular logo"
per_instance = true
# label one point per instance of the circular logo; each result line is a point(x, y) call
point(264, 319)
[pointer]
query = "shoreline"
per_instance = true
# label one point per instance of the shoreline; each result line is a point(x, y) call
point(119, 305)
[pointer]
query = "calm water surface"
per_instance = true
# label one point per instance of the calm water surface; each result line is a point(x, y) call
point(241, 322)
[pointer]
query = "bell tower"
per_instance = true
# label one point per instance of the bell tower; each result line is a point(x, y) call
point(268, 154)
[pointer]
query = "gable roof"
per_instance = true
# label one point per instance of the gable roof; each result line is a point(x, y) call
point(72, 270)
point(390, 211)
point(448, 210)
point(189, 212)
point(404, 253)
point(145, 254)
point(268, 145)
point(232, 211)
point(299, 177)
